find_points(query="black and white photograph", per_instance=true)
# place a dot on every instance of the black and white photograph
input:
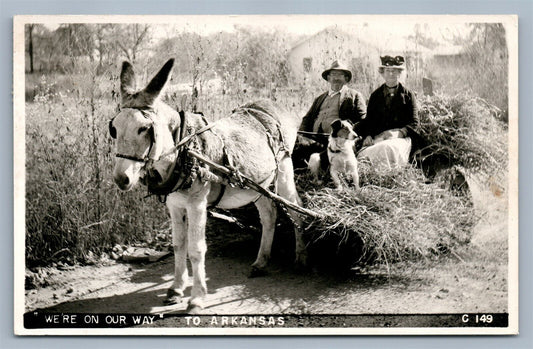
(266, 174)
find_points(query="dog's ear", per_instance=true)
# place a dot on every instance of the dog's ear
(335, 127)
(337, 124)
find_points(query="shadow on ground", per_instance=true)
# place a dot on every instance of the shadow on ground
(231, 252)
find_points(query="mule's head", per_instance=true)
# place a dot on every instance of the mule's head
(143, 129)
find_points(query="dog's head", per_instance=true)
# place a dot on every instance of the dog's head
(343, 129)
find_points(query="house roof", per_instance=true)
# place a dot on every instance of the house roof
(387, 45)
(332, 31)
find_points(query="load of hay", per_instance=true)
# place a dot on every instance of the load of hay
(394, 217)
(406, 216)
(462, 131)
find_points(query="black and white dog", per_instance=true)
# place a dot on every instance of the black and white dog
(341, 156)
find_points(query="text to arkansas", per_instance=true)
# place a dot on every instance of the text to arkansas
(238, 321)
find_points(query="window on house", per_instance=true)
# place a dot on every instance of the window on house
(308, 63)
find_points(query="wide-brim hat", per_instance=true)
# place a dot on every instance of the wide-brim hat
(340, 67)
(397, 62)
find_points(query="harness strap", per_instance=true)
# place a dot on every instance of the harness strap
(278, 127)
(182, 125)
(219, 196)
(187, 139)
(270, 138)
(321, 138)
(130, 157)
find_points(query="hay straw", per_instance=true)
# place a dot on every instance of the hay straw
(394, 217)
(463, 130)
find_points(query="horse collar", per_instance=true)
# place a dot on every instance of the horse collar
(184, 169)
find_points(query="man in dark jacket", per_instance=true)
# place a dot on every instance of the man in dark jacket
(339, 102)
(392, 120)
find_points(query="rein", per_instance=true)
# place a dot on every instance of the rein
(184, 167)
(184, 170)
(185, 140)
(321, 138)
(181, 141)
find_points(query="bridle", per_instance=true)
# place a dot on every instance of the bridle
(147, 112)
(182, 171)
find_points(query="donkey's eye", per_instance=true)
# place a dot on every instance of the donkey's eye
(112, 130)
(142, 129)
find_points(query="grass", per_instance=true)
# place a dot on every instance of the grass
(72, 206)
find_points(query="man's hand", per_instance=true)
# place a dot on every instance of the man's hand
(304, 141)
(368, 141)
(391, 134)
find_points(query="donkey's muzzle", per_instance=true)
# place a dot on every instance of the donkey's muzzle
(123, 182)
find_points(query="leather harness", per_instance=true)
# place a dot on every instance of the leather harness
(186, 169)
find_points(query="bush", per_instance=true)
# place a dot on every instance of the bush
(72, 206)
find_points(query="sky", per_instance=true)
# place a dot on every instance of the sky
(373, 26)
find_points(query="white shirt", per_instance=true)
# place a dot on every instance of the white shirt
(333, 93)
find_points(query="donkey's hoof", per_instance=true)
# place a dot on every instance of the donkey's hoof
(257, 272)
(300, 263)
(194, 307)
(173, 297)
(194, 310)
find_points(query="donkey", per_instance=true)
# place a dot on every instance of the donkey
(256, 140)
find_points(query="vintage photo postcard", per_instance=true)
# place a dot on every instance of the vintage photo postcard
(266, 175)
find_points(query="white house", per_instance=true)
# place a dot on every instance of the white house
(358, 48)
(312, 55)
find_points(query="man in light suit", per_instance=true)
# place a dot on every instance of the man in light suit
(339, 102)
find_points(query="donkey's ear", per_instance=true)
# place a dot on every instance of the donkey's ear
(158, 81)
(127, 79)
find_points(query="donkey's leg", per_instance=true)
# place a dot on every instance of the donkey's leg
(287, 189)
(179, 242)
(267, 214)
(197, 217)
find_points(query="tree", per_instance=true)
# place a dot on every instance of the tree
(38, 47)
(29, 29)
(255, 59)
(421, 38)
(75, 43)
(131, 39)
(103, 45)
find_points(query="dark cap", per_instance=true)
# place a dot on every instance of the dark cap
(392, 62)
